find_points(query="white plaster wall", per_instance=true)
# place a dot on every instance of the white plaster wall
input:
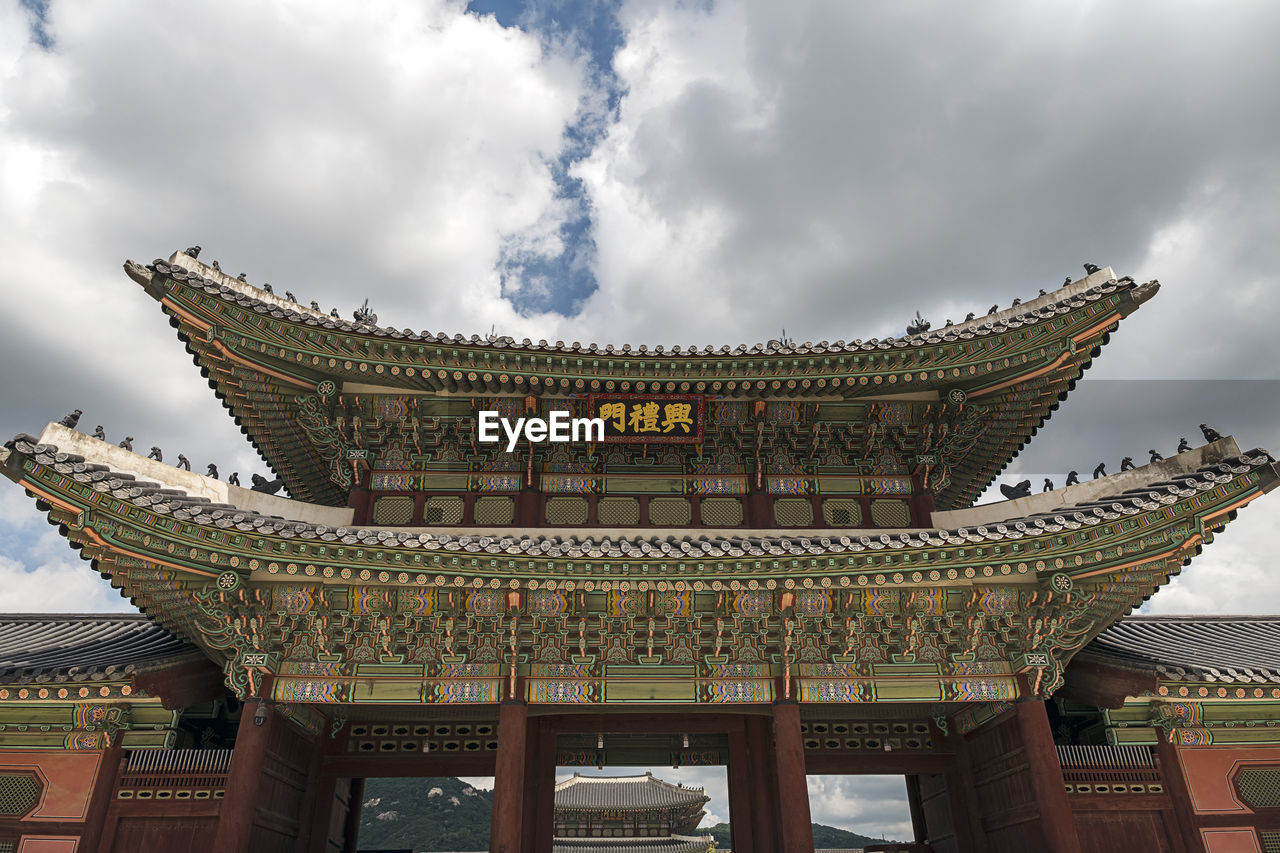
(118, 459)
(1089, 490)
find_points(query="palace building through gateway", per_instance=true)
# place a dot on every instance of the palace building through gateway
(771, 561)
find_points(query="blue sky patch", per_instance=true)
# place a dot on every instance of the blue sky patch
(38, 11)
(536, 282)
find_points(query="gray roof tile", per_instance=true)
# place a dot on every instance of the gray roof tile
(613, 792)
(1039, 309)
(675, 844)
(83, 647)
(1195, 648)
(566, 543)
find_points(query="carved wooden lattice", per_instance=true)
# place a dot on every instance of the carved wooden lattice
(443, 738)
(620, 512)
(18, 794)
(793, 512)
(890, 514)
(393, 510)
(571, 511)
(842, 512)
(442, 511)
(722, 512)
(1259, 787)
(495, 510)
(670, 512)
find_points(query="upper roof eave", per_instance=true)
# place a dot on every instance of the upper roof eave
(1022, 375)
(183, 268)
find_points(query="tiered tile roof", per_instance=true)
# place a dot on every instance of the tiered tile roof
(609, 793)
(48, 648)
(674, 844)
(265, 355)
(1237, 649)
(167, 500)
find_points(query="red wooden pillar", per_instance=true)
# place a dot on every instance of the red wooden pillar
(741, 780)
(759, 509)
(793, 786)
(509, 778)
(104, 791)
(540, 821)
(318, 816)
(919, 830)
(764, 787)
(966, 821)
(1184, 828)
(315, 800)
(528, 508)
(244, 781)
(351, 829)
(1046, 778)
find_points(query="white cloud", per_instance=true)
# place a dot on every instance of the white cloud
(49, 578)
(1236, 573)
(388, 151)
(875, 806)
(825, 167)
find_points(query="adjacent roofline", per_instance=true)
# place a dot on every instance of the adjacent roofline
(86, 647)
(640, 777)
(1192, 648)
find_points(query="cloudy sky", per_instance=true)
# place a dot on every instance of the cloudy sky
(645, 172)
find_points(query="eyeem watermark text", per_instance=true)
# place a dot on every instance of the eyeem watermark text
(558, 429)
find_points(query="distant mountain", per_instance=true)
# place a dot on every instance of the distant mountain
(424, 814)
(823, 836)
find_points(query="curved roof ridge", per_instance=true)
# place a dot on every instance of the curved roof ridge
(641, 777)
(643, 792)
(1093, 286)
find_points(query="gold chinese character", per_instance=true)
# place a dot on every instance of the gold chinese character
(644, 417)
(677, 415)
(616, 411)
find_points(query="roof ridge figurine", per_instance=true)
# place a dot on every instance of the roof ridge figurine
(1021, 490)
(918, 325)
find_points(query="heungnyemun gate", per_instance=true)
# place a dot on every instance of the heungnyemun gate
(772, 561)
